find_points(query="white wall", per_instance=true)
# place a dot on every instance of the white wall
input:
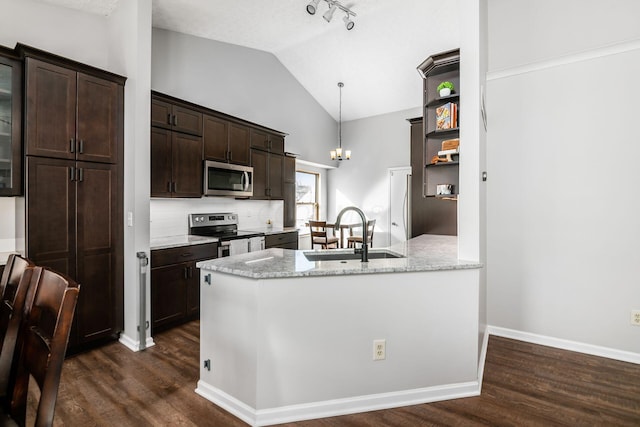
(246, 83)
(562, 156)
(377, 144)
(7, 224)
(66, 32)
(130, 36)
(472, 225)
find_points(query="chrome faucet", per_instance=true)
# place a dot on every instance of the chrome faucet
(365, 249)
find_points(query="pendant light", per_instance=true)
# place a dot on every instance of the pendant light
(337, 154)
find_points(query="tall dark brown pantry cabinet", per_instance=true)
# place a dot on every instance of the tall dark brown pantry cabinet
(74, 140)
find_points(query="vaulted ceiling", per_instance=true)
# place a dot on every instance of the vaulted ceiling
(376, 60)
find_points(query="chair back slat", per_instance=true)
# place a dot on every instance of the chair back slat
(13, 291)
(42, 344)
(320, 234)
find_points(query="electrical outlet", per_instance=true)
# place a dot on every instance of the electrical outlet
(635, 317)
(379, 349)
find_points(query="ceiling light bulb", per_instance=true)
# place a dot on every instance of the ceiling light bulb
(348, 22)
(347, 154)
(329, 13)
(312, 6)
(333, 154)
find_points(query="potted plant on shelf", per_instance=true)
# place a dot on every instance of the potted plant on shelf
(445, 88)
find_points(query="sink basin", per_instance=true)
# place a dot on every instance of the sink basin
(332, 255)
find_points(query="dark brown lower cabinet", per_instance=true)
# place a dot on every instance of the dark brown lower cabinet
(284, 240)
(74, 225)
(175, 284)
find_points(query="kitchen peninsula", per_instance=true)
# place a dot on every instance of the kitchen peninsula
(283, 338)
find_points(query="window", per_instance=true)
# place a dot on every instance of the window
(307, 205)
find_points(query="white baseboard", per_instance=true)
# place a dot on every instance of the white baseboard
(335, 407)
(594, 350)
(134, 345)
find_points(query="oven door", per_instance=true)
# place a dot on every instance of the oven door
(224, 179)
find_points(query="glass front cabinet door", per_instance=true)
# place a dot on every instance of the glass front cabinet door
(10, 126)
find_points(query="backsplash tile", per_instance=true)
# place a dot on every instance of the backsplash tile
(169, 216)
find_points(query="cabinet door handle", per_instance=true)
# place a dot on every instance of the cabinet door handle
(175, 120)
(169, 118)
(230, 154)
(186, 272)
(72, 145)
(190, 272)
(81, 174)
(72, 173)
(81, 149)
(169, 186)
(175, 187)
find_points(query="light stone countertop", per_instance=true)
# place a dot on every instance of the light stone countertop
(422, 253)
(182, 240)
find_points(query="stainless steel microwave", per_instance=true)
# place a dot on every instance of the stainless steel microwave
(225, 179)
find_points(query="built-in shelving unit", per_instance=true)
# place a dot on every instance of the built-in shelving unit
(435, 70)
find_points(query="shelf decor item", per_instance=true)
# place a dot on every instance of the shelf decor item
(447, 116)
(445, 89)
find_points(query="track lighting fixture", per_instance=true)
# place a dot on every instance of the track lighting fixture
(329, 13)
(312, 7)
(348, 22)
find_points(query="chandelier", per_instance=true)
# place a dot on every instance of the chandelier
(337, 153)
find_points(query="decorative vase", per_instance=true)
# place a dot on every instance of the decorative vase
(445, 92)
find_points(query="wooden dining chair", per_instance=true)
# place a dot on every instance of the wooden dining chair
(353, 238)
(42, 343)
(320, 235)
(13, 290)
(13, 270)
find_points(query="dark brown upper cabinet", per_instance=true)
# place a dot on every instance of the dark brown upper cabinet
(267, 141)
(268, 171)
(178, 118)
(10, 125)
(176, 164)
(225, 141)
(72, 115)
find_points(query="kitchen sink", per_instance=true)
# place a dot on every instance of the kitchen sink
(333, 255)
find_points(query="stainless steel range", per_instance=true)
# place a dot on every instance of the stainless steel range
(224, 226)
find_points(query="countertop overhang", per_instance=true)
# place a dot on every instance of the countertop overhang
(422, 253)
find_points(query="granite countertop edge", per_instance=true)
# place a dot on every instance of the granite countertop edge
(421, 254)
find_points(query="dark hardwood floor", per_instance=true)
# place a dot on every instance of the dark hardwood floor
(524, 385)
